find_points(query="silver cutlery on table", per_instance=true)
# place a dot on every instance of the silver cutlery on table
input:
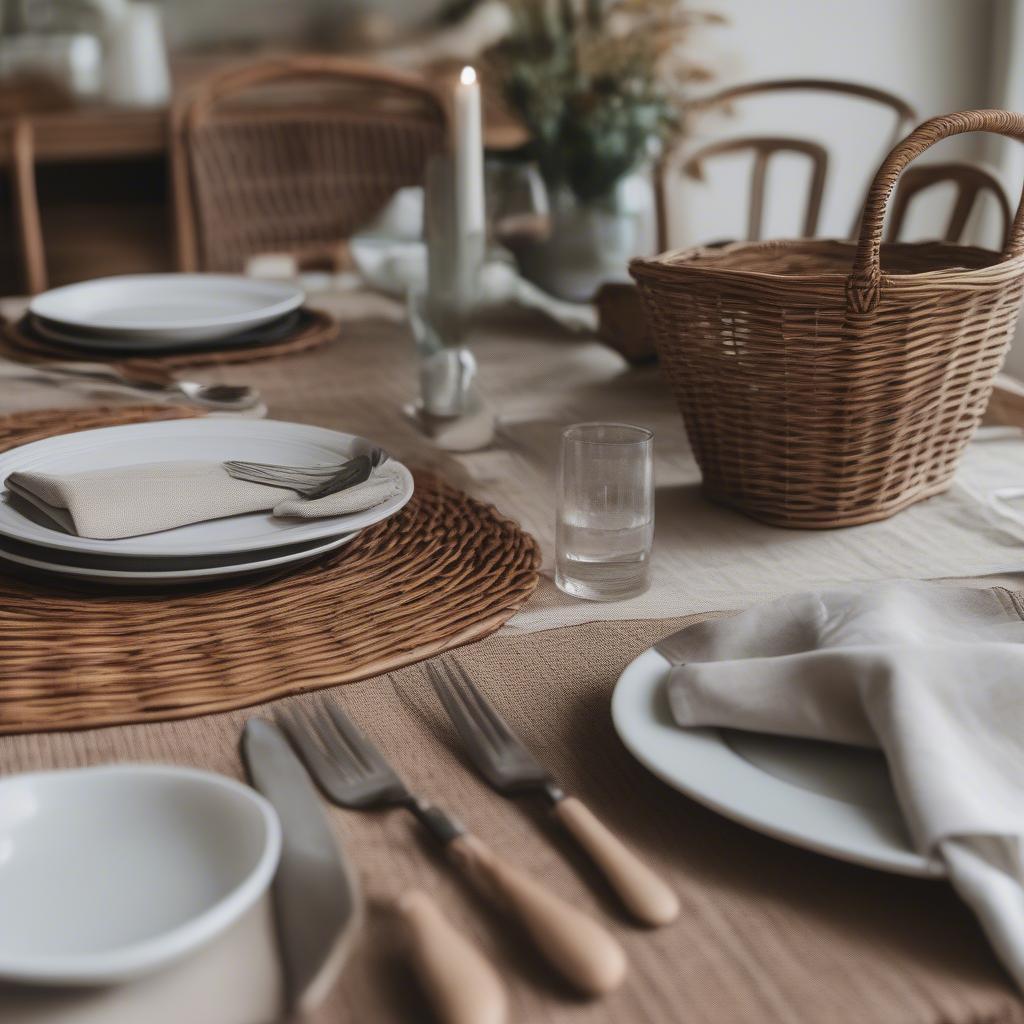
(353, 773)
(511, 769)
(318, 905)
(310, 481)
(151, 381)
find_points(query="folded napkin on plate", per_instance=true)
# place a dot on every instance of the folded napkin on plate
(127, 501)
(932, 675)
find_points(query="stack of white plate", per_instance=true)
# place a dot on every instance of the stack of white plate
(218, 549)
(148, 313)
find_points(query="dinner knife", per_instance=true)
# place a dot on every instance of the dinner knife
(318, 905)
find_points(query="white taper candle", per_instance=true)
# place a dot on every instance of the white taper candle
(469, 156)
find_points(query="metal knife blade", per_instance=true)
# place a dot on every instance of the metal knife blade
(318, 905)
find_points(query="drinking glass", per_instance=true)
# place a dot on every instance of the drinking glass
(605, 511)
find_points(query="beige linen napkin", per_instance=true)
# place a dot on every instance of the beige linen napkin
(932, 675)
(127, 501)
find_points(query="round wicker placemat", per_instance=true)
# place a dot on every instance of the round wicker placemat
(313, 328)
(444, 571)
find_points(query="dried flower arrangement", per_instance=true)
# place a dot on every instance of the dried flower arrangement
(598, 85)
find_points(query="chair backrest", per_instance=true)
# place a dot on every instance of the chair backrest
(970, 181)
(904, 117)
(26, 204)
(764, 148)
(904, 113)
(294, 154)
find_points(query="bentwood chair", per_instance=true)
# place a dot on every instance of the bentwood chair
(31, 254)
(293, 155)
(765, 148)
(970, 182)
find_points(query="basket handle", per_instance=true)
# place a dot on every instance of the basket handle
(864, 282)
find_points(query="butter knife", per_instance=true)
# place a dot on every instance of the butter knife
(318, 905)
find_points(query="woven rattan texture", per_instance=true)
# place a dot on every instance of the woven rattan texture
(292, 155)
(249, 200)
(313, 329)
(825, 384)
(445, 571)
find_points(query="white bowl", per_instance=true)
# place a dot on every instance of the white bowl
(109, 872)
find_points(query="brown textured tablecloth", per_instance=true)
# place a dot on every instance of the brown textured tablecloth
(767, 933)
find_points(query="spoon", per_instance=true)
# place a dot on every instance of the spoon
(225, 397)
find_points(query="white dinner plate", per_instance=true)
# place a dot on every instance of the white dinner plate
(179, 307)
(127, 345)
(112, 871)
(208, 438)
(126, 570)
(829, 798)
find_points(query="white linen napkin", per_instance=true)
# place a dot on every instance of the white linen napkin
(931, 675)
(127, 501)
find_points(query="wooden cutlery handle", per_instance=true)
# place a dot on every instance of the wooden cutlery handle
(462, 985)
(583, 952)
(645, 895)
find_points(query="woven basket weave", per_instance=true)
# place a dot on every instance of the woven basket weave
(293, 154)
(828, 384)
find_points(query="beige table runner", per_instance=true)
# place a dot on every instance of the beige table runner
(705, 557)
(768, 932)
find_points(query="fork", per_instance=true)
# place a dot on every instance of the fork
(310, 481)
(353, 773)
(511, 769)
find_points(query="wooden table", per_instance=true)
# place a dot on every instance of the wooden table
(768, 932)
(92, 134)
(102, 181)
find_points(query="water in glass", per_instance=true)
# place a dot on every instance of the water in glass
(605, 511)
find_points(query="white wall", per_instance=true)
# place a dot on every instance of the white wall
(933, 53)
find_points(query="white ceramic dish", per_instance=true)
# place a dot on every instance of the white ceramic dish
(208, 438)
(153, 572)
(828, 798)
(109, 872)
(178, 307)
(130, 344)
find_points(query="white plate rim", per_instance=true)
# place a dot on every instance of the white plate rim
(309, 529)
(282, 297)
(719, 778)
(158, 344)
(175, 575)
(137, 958)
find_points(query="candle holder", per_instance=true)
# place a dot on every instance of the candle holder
(450, 409)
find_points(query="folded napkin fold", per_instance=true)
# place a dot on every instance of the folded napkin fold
(931, 675)
(127, 501)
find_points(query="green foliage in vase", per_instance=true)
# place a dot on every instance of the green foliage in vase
(597, 84)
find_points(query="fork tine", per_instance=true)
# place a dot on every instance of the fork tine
(484, 708)
(298, 728)
(323, 468)
(357, 741)
(499, 754)
(464, 718)
(348, 761)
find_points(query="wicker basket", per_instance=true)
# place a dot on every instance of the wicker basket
(829, 384)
